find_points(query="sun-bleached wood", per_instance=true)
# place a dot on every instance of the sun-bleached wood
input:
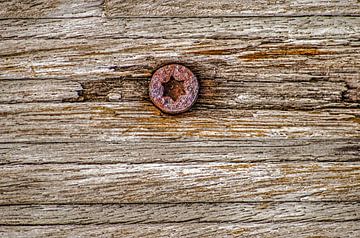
(168, 151)
(267, 230)
(250, 28)
(236, 59)
(185, 182)
(182, 8)
(271, 149)
(176, 213)
(141, 121)
(214, 93)
(18, 91)
(50, 8)
(205, 8)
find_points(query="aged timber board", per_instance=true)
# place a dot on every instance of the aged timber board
(271, 148)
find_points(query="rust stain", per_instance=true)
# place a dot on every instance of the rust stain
(274, 53)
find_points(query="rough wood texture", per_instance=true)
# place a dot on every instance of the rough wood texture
(198, 150)
(251, 28)
(271, 149)
(18, 91)
(49, 8)
(141, 121)
(177, 213)
(218, 230)
(205, 8)
(185, 182)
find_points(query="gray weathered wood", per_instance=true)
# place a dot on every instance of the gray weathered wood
(266, 230)
(214, 93)
(16, 91)
(140, 121)
(50, 8)
(236, 59)
(309, 66)
(271, 149)
(201, 8)
(250, 28)
(178, 213)
(199, 150)
(185, 182)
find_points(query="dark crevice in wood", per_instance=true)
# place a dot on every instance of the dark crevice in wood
(244, 202)
(184, 222)
(185, 17)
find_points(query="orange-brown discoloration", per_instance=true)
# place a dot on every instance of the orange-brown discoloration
(275, 53)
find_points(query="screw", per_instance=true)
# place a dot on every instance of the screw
(173, 88)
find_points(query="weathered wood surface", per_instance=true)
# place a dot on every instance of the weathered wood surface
(185, 182)
(218, 230)
(176, 213)
(205, 8)
(271, 149)
(50, 8)
(251, 28)
(140, 122)
(205, 150)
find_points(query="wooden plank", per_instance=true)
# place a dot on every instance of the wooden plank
(141, 121)
(218, 93)
(221, 69)
(240, 150)
(281, 230)
(185, 182)
(50, 8)
(204, 8)
(16, 91)
(240, 60)
(251, 28)
(178, 213)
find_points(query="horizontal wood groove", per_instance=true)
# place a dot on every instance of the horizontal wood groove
(184, 17)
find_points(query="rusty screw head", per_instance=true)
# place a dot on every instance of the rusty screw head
(173, 88)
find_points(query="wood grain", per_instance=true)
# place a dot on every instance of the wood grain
(17, 91)
(166, 151)
(344, 28)
(228, 59)
(203, 8)
(267, 230)
(49, 8)
(214, 93)
(178, 213)
(326, 76)
(185, 182)
(271, 149)
(313, 65)
(136, 121)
